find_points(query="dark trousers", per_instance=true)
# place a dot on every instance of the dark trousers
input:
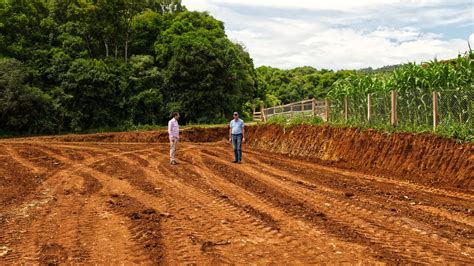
(237, 143)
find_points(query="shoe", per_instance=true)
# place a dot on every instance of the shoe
(173, 162)
(239, 162)
(234, 162)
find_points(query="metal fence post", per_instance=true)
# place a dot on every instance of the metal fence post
(435, 110)
(394, 109)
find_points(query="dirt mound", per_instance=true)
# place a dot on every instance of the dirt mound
(196, 134)
(422, 158)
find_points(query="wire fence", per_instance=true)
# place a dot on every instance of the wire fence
(418, 111)
(456, 108)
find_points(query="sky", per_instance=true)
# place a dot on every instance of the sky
(344, 34)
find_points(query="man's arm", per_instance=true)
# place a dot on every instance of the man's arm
(243, 134)
(230, 134)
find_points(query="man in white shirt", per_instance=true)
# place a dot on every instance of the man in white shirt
(237, 136)
(173, 132)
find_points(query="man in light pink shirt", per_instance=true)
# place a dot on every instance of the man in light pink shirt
(173, 132)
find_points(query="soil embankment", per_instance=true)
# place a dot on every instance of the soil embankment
(423, 158)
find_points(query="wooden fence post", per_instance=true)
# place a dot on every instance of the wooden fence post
(291, 110)
(346, 109)
(302, 108)
(313, 107)
(262, 113)
(394, 109)
(369, 107)
(435, 110)
(327, 110)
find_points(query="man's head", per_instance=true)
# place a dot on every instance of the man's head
(236, 115)
(176, 115)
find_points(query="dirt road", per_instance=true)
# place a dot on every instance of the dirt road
(109, 203)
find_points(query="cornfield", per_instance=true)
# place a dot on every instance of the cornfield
(451, 80)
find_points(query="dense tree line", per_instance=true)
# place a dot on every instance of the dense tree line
(73, 65)
(279, 86)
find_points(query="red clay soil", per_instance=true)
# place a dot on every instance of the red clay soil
(196, 134)
(421, 158)
(306, 195)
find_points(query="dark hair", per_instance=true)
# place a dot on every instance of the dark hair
(174, 114)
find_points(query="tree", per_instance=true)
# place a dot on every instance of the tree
(22, 107)
(205, 75)
(94, 88)
(146, 97)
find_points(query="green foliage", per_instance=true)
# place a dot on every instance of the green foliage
(297, 119)
(111, 64)
(277, 86)
(208, 75)
(22, 107)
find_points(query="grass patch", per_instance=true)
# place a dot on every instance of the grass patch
(458, 132)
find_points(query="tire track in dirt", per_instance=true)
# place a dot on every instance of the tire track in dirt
(151, 201)
(50, 238)
(418, 206)
(302, 235)
(145, 224)
(48, 252)
(363, 220)
(302, 164)
(408, 223)
(368, 195)
(126, 204)
(198, 216)
(19, 158)
(138, 225)
(198, 234)
(455, 226)
(266, 232)
(366, 179)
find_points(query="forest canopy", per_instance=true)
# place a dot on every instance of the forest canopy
(79, 65)
(74, 65)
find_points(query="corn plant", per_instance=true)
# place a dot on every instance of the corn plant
(452, 80)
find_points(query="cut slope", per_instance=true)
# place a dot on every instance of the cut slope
(422, 158)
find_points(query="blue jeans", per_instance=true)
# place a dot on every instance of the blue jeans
(237, 143)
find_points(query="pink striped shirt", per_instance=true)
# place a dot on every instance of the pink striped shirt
(173, 128)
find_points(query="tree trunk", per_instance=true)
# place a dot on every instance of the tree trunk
(89, 47)
(126, 50)
(127, 36)
(106, 48)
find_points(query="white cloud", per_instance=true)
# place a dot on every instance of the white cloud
(322, 41)
(471, 40)
(342, 5)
